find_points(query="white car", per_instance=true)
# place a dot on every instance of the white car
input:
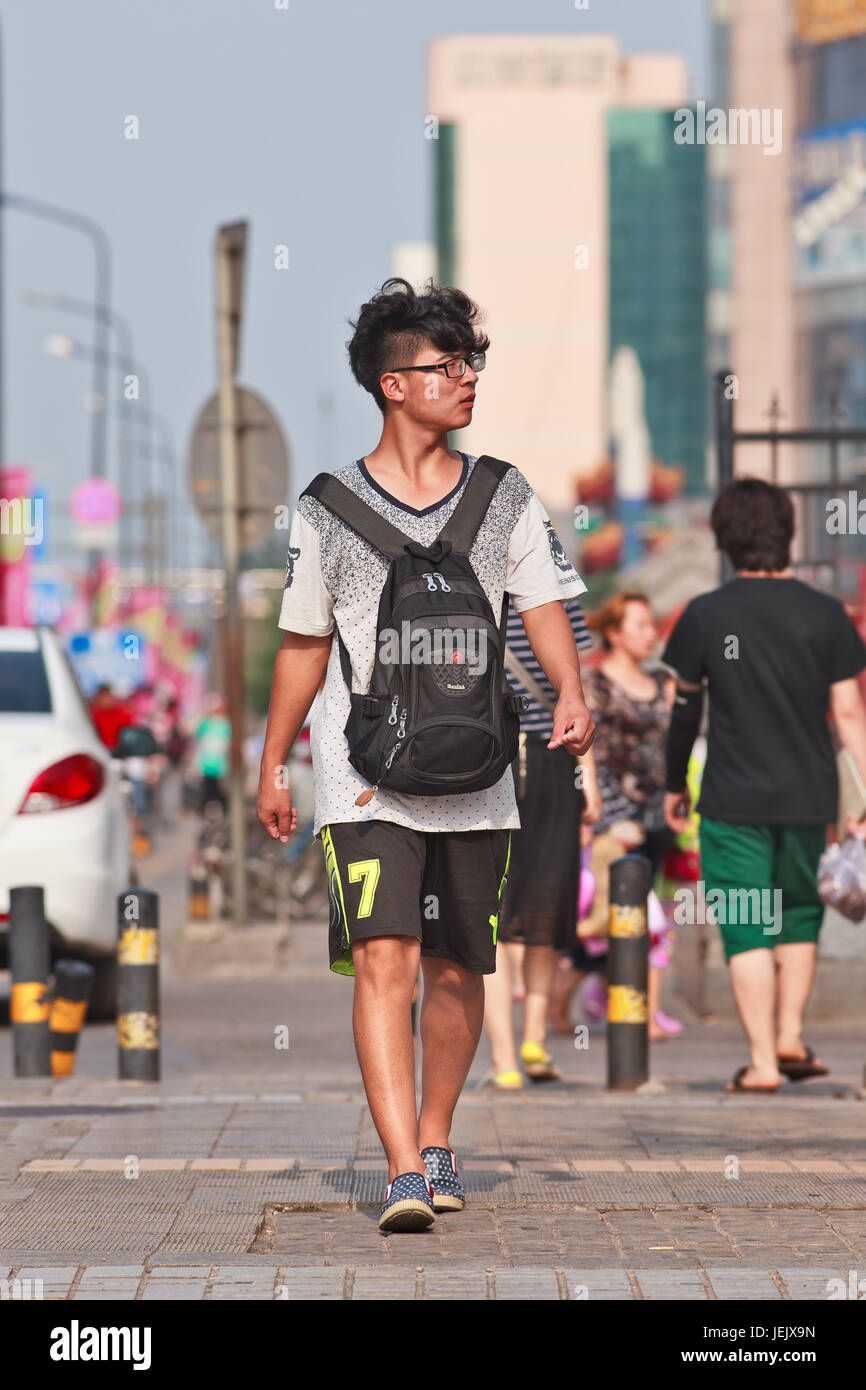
(64, 821)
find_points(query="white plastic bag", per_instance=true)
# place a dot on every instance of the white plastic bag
(842, 878)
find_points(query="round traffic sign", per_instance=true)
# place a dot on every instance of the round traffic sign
(263, 475)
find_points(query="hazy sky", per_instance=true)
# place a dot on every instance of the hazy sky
(309, 123)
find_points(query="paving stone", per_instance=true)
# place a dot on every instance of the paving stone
(167, 1290)
(526, 1283)
(311, 1282)
(455, 1283)
(603, 1283)
(737, 1283)
(51, 1274)
(88, 1284)
(670, 1284)
(126, 1294)
(810, 1282)
(224, 1293)
(381, 1283)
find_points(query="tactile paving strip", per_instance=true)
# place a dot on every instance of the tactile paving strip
(177, 1212)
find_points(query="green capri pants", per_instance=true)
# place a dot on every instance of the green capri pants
(762, 882)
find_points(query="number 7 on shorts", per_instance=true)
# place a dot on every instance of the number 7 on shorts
(368, 870)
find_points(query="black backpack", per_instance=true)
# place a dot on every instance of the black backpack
(448, 721)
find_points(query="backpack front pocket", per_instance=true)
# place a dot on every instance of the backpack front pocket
(443, 752)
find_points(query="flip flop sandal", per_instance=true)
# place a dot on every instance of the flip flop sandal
(735, 1084)
(537, 1063)
(801, 1068)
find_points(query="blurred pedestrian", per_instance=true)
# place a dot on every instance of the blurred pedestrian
(777, 657)
(110, 715)
(539, 906)
(212, 744)
(631, 709)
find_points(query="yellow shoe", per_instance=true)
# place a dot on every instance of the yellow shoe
(538, 1063)
(503, 1081)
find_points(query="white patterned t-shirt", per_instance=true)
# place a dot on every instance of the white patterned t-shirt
(335, 577)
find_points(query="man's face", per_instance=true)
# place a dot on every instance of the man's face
(432, 397)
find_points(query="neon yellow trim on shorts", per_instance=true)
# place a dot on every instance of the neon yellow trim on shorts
(494, 919)
(343, 966)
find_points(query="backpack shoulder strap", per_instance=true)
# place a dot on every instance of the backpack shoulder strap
(528, 681)
(462, 526)
(356, 513)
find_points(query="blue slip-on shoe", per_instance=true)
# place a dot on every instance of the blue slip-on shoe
(441, 1165)
(408, 1204)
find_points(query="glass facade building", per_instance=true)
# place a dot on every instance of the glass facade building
(830, 270)
(657, 248)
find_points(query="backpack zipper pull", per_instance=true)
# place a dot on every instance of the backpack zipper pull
(392, 717)
(366, 796)
(390, 758)
(401, 731)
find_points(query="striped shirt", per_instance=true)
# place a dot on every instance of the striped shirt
(536, 720)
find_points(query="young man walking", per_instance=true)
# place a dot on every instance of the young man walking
(778, 657)
(411, 875)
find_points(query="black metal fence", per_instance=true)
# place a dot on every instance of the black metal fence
(836, 470)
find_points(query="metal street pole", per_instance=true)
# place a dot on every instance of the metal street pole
(2, 267)
(126, 471)
(725, 385)
(230, 255)
(131, 367)
(51, 212)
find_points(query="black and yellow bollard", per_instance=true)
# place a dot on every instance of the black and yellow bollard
(29, 961)
(199, 890)
(628, 974)
(73, 985)
(138, 985)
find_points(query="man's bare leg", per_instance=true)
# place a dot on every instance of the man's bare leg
(796, 962)
(385, 971)
(753, 978)
(452, 1013)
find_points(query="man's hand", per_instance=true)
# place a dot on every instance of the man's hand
(855, 827)
(673, 800)
(274, 806)
(572, 724)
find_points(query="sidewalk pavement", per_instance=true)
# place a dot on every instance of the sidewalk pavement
(253, 1170)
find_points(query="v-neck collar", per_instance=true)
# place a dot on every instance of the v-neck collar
(404, 506)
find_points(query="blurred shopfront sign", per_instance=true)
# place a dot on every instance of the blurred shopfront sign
(829, 168)
(20, 531)
(825, 21)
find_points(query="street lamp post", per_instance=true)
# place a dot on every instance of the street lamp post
(63, 346)
(101, 300)
(70, 304)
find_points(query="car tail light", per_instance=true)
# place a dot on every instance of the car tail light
(70, 782)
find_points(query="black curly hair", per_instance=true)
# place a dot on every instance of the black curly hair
(753, 523)
(392, 326)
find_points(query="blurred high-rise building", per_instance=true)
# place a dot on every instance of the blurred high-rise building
(750, 303)
(786, 304)
(829, 56)
(565, 207)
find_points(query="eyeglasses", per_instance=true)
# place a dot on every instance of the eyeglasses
(454, 367)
